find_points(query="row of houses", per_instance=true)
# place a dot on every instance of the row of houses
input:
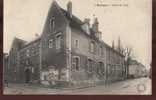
(136, 69)
(69, 51)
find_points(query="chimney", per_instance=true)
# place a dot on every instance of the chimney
(69, 8)
(87, 21)
(95, 25)
(95, 28)
(86, 26)
(119, 44)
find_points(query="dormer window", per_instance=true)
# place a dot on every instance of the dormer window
(86, 26)
(92, 47)
(52, 23)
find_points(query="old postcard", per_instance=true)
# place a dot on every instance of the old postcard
(77, 47)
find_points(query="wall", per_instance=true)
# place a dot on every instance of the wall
(30, 60)
(52, 57)
(113, 62)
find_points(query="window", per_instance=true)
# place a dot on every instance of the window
(45, 43)
(76, 43)
(27, 62)
(76, 63)
(58, 41)
(100, 68)
(28, 53)
(92, 47)
(51, 43)
(45, 77)
(52, 23)
(90, 65)
(32, 69)
(108, 69)
(100, 50)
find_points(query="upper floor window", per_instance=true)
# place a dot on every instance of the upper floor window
(27, 62)
(92, 47)
(58, 41)
(52, 23)
(76, 43)
(51, 43)
(28, 53)
(76, 63)
(100, 50)
(32, 69)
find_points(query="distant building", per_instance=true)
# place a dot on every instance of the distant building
(136, 69)
(69, 51)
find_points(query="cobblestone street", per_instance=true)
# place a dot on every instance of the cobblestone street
(140, 86)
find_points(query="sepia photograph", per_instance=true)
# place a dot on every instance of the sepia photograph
(77, 47)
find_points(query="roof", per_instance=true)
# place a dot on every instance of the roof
(135, 62)
(22, 43)
(31, 42)
(77, 23)
(18, 42)
(73, 21)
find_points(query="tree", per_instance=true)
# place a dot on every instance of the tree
(127, 52)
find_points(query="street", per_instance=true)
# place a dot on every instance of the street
(140, 86)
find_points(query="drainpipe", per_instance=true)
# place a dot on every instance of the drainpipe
(40, 60)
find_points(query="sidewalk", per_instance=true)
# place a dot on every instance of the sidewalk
(120, 87)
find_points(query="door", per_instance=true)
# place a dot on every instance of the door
(27, 75)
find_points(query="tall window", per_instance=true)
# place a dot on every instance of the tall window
(100, 50)
(100, 68)
(90, 65)
(27, 52)
(51, 43)
(76, 63)
(58, 41)
(32, 69)
(52, 23)
(92, 47)
(76, 43)
(27, 62)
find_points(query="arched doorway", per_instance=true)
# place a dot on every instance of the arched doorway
(27, 75)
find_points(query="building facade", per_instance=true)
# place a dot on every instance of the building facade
(136, 69)
(68, 51)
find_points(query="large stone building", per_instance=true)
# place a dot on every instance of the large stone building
(69, 51)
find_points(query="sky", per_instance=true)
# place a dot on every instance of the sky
(131, 21)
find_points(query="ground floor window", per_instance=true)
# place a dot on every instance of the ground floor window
(90, 65)
(108, 70)
(100, 68)
(76, 63)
